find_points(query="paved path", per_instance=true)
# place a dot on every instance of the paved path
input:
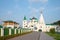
(33, 36)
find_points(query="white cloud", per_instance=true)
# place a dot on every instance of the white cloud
(29, 7)
(17, 7)
(34, 0)
(16, 0)
(16, 4)
(1, 21)
(54, 9)
(9, 12)
(41, 9)
(33, 10)
(57, 8)
(42, 1)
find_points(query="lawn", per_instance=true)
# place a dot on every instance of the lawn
(55, 35)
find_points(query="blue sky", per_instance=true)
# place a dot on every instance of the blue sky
(16, 10)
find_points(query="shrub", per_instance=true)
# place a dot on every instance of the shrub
(52, 30)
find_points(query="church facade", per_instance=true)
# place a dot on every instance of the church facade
(37, 25)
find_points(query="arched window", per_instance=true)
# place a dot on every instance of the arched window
(31, 25)
(35, 28)
(25, 26)
(40, 30)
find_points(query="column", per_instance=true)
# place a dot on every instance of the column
(9, 31)
(2, 32)
(18, 31)
(15, 31)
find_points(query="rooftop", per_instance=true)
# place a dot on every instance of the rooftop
(11, 21)
(24, 17)
(33, 18)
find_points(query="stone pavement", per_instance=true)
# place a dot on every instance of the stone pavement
(33, 36)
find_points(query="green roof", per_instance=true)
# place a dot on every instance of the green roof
(1, 26)
(24, 17)
(30, 19)
(33, 18)
(36, 19)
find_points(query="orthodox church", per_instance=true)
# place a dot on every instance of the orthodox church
(37, 25)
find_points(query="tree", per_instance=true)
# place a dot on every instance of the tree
(57, 22)
(52, 30)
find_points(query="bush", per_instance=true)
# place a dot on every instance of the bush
(52, 30)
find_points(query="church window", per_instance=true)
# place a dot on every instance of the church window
(35, 28)
(25, 26)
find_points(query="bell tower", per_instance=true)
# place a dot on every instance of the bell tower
(42, 25)
(24, 22)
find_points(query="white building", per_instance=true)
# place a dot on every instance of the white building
(37, 25)
(57, 29)
(25, 22)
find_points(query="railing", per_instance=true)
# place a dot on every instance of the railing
(12, 31)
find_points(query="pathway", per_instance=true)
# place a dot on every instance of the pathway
(33, 36)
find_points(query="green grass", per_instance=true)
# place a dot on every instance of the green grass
(55, 35)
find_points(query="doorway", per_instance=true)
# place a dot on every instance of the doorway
(40, 30)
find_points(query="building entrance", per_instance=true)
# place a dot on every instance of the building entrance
(40, 30)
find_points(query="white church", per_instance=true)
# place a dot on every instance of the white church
(37, 25)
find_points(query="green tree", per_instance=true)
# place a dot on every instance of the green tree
(57, 22)
(52, 30)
